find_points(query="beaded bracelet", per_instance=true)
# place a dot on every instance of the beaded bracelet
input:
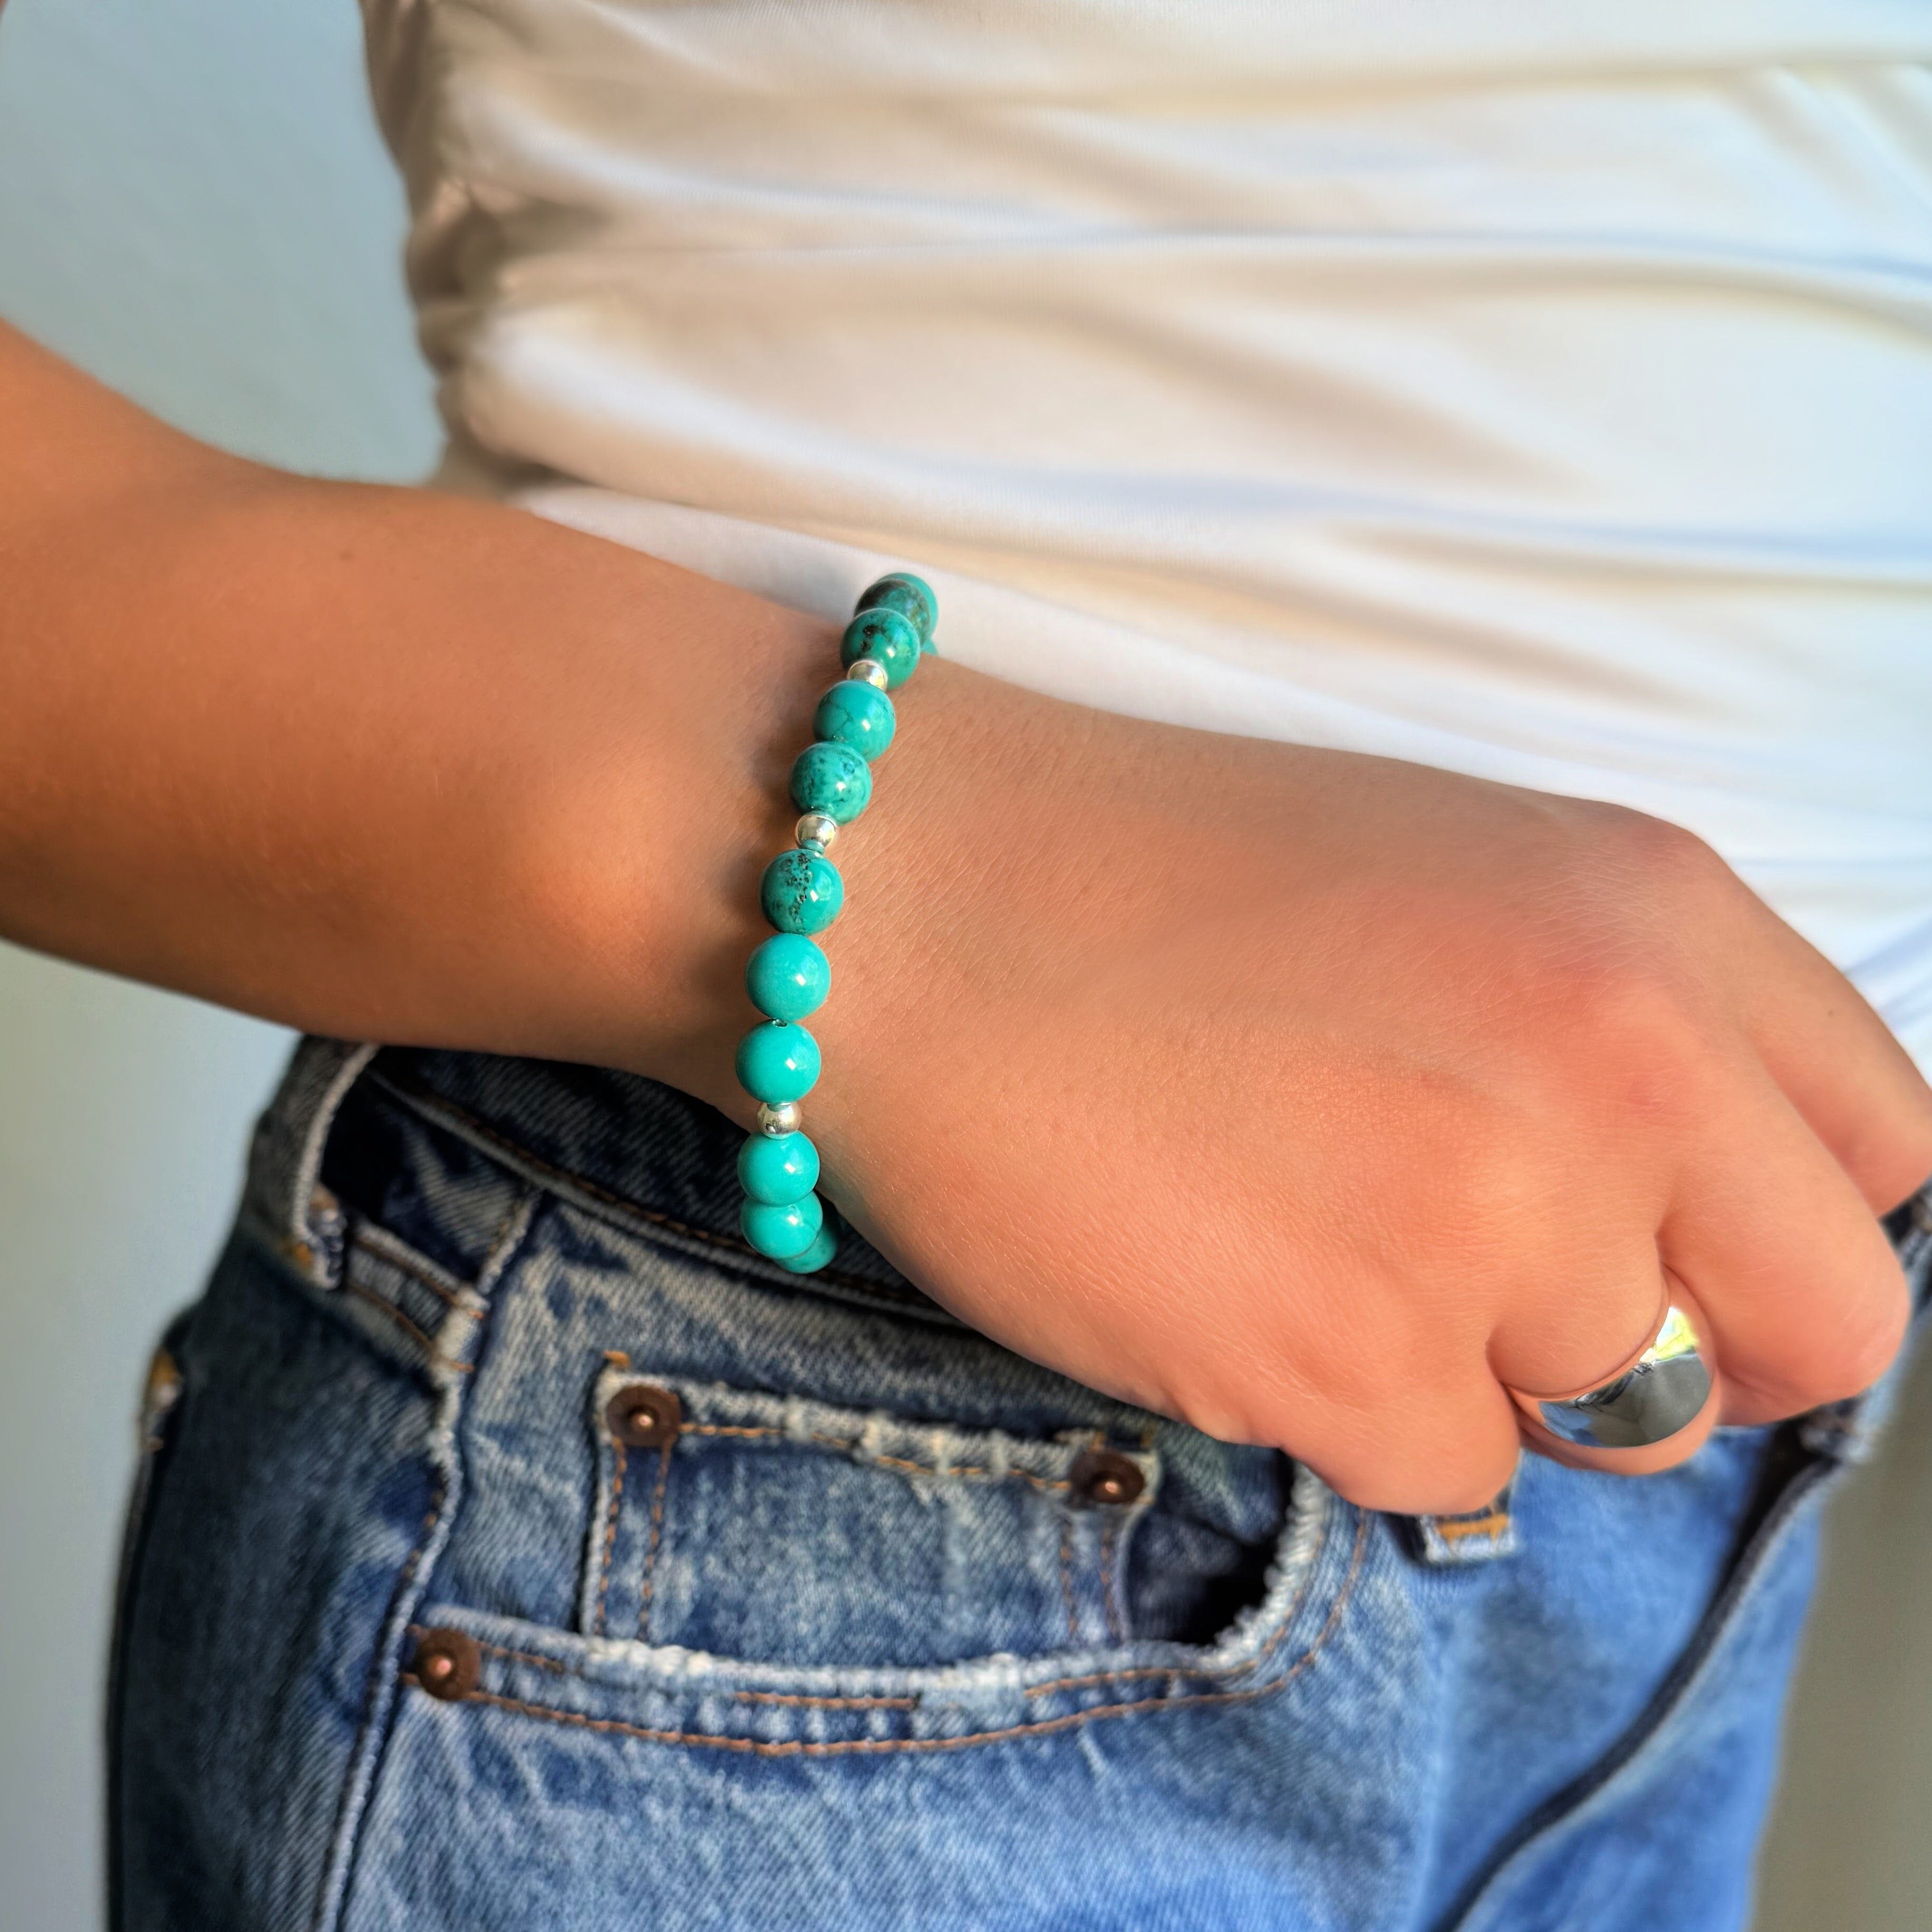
(789, 977)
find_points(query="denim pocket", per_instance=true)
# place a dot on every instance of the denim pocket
(697, 1505)
(772, 1528)
(865, 1527)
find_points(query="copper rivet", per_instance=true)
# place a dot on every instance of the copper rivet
(447, 1663)
(1106, 1478)
(644, 1416)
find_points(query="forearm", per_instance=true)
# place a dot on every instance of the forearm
(375, 761)
(1321, 1100)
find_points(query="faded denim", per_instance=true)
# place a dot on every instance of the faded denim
(856, 1647)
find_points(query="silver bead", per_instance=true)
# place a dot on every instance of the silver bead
(782, 1119)
(868, 670)
(816, 828)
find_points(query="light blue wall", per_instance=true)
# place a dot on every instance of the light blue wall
(193, 206)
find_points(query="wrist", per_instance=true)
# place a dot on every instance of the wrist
(638, 847)
(697, 892)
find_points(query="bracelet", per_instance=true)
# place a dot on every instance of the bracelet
(789, 977)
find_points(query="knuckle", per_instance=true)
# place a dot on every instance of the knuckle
(1846, 1355)
(1599, 974)
(1624, 1006)
(1894, 1159)
(1868, 1341)
(1625, 926)
(1662, 857)
(1625, 1036)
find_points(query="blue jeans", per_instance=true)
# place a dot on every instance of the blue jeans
(514, 1549)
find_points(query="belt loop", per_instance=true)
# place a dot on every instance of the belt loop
(1477, 1536)
(285, 1159)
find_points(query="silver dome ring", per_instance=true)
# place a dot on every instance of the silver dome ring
(1663, 1391)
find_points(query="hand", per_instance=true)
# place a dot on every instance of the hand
(1310, 1098)
(1313, 1098)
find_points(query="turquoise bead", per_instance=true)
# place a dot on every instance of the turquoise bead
(911, 596)
(802, 891)
(883, 634)
(824, 1246)
(778, 1168)
(784, 1230)
(858, 714)
(833, 778)
(787, 977)
(778, 1062)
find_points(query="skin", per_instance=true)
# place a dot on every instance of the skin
(1316, 1100)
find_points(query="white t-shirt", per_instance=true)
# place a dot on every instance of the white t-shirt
(1537, 389)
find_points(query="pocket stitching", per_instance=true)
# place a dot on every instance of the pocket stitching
(1109, 1590)
(880, 1747)
(845, 1444)
(424, 1341)
(379, 1242)
(1066, 1579)
(1317, 1513)
(610, 1515)
(645, 1588)
(852, 1443)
